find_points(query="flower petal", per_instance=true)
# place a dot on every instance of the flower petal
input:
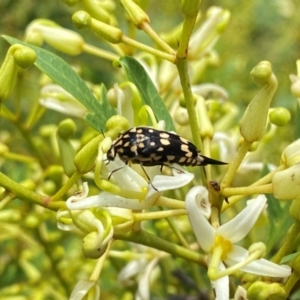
(261, 266)
(203, 230)
(180, 178)
(237, 228)
(125, 176)
(240, 293)
(221, 286)
(105, 199)
(143, 292)
(82, 287)
(132, 269)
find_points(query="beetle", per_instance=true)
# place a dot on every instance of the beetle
(151, 147)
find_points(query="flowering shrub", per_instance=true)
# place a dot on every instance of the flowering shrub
(80, 224)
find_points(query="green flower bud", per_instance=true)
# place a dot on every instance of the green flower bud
(66, 129)
(101, 10)
(10, 215)
(29, 184)
(279, 116)
(286, 183)
(181, 117)
(92, 245)
(25, 57)
(85, 158)
(3, 149)
(259, 247)
(136, 14)
(17, 55)
(262, 291)
(112, 34)
(205, 126)
(32, 221)
(295, 210)
(255, 117)
(48, 187)
(118, 123)
(190, 8)
(291, 154)
(66, 149)
(81, 20)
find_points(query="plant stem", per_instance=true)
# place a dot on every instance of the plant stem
(153, 241)
(23, 193)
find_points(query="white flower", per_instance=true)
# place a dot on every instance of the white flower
(134, 192)
(122, 99)
(220, 242)
(56, 98)
(141, 269)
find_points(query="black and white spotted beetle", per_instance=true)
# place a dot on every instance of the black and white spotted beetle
(150, 147)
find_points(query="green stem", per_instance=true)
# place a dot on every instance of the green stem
(177, 232)
(287, 246)
(262, 181)
(27, 136)
(248, 190)
(156, 38)
(25, 194)
(143, 47)
(65, 188)
(226, 182)
(153, 241)
(182, 67)
(291, 282)
(90, 49)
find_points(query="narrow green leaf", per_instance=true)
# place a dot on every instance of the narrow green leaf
(136, 74)
(105, 109)
(61, 73)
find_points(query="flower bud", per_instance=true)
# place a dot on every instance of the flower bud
(262, 291)
(66, 129)
(259, 247)
(295, 87)
(82, 19)
(136, 14)
(291, 154)
(254, 120)
(25, 57)
(190, 8)
(17, 55)
(85, 158)
(295, 210)
(66, 149)
(92, 245)
(286, 183)
(101, 10)
(279, 116)
(205, 126)
(64, 40)
(208, 33)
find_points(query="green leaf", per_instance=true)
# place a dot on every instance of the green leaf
(288, 258)
(61, 73)
(136, 74)
(105, 109)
